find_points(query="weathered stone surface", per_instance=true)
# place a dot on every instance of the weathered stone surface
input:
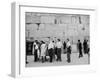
(47, 19)
(61, 26)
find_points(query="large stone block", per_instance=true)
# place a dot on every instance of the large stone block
(32, 19)
(47, 19)
(65, 20)
(85, 19)
(31, 27)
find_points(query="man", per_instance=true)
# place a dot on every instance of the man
(64, 47)
(35, 50)
(88, 47)
(26, 51)
(85, 47)
(54, 52)
(50, 50)
(68, 51)
(80, 49)
(59, 47)
(43, 50)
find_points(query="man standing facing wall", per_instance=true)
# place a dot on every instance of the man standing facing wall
(59, 46)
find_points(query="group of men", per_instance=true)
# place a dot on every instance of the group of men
(52, 50)
(85, 48)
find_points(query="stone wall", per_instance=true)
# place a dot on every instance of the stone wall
(63, 26)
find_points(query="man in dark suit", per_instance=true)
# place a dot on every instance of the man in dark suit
(64, 47)
(85, 47)
(26, 51)
(80, 49)
(68, 51)
(59, 49)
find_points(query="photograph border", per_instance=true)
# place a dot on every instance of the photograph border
(16, 61)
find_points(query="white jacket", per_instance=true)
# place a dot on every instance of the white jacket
(43, 49)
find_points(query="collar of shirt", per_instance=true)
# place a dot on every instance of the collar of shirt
(50, 45)
(59, 45)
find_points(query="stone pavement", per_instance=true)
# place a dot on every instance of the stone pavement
(74, 61)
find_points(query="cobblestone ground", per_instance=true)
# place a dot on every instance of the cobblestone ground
(75, 60)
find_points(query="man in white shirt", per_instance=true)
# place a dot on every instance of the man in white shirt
(35, 50)
(51, 45)
(59, 46)
(50, 50)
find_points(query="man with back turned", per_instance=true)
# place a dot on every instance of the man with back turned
(80, 49)
(59, 48)
(68, 51)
